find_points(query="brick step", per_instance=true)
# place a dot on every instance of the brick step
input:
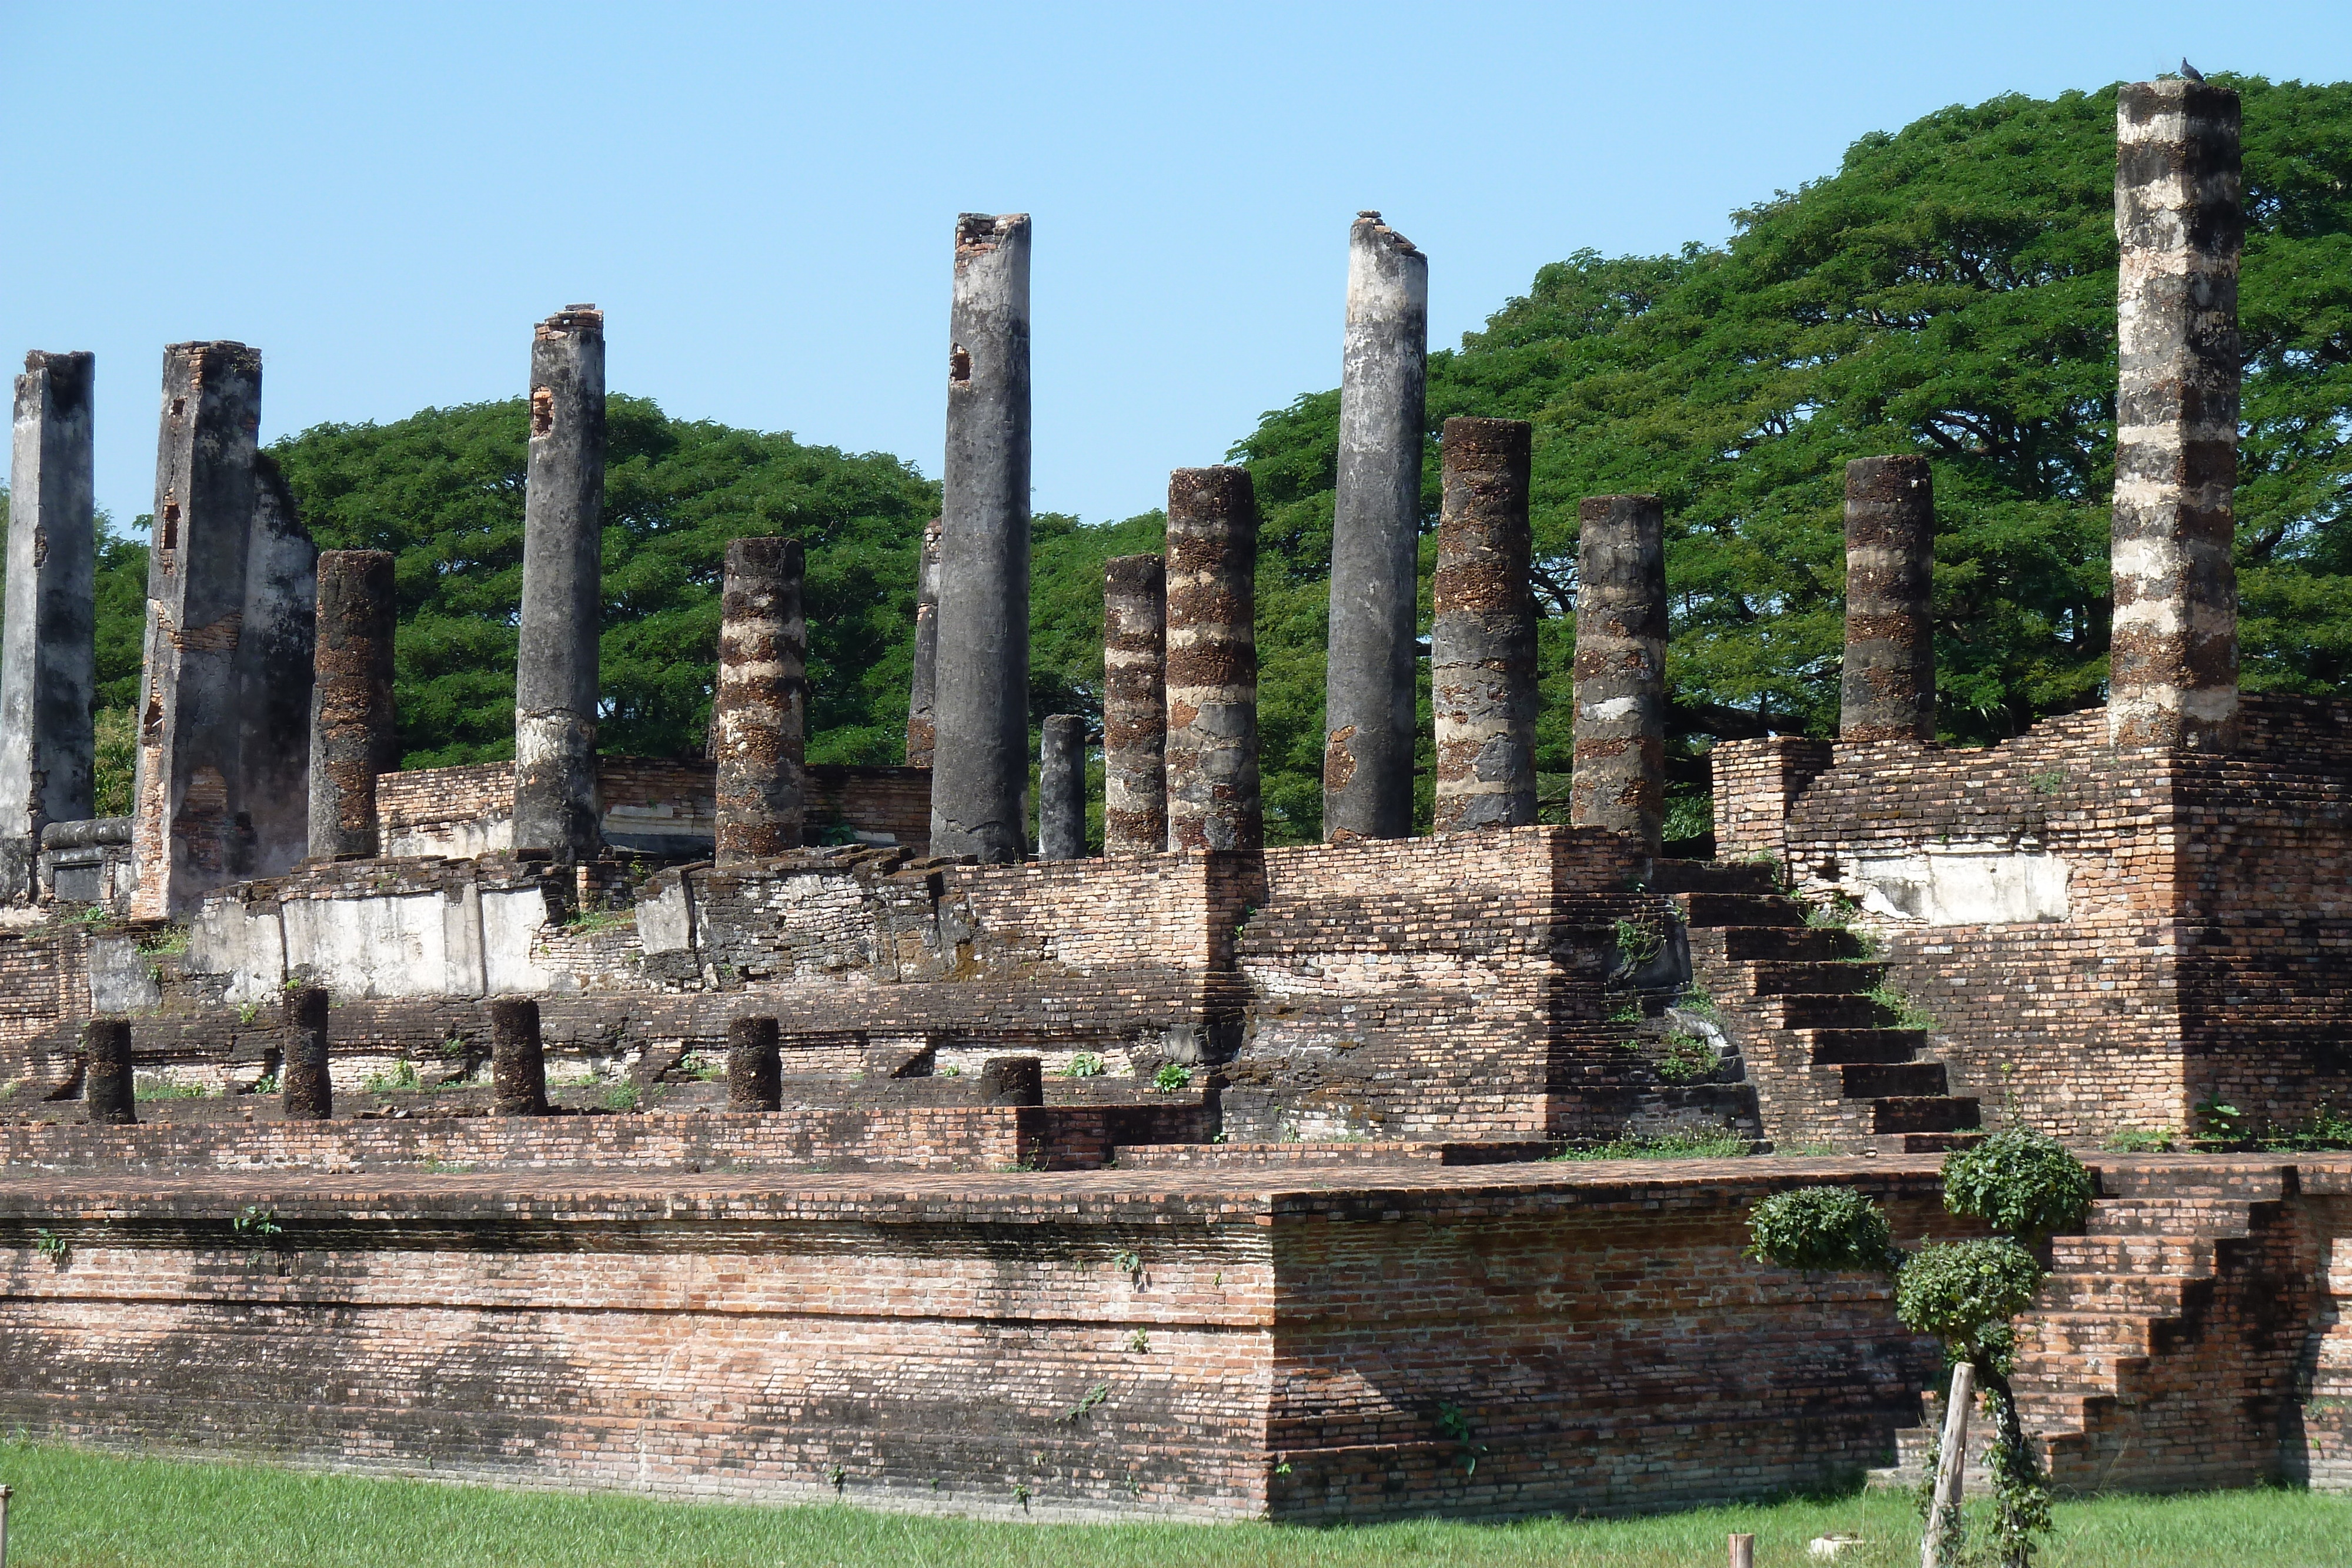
(1849, 1047)
(1924, 1142)
(1924, 1113)
(2218, 1218)
(1709, 911)
(2161, 1177)
(1898, 1080)
(1848, 978)
(2059, 1376)
(1821, 1012)
(1789, 944)
(1704, 877)
(2099, 1335)
(2148, 1252)
(2157, 1295)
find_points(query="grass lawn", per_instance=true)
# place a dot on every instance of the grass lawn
(75, 1509)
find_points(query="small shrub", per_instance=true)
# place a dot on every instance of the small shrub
(402, 1078)
(1908, 1014)
(1637, 942)
(266, 1084)
(2021, 1182)
(951, 1071)
(622, 1096)
(1699, 1002)
(1085, 1064)
(2142, 1140)
(1689, 1059)
(1627, 1011)
(52, 1246)
(167, 1089)
(1682, 1143)
(168, 942)
(1171, 1077)
(2223, 1123)
(1956, 1290)
(249, 1013)
(2326, 1130)
(1829, 1228)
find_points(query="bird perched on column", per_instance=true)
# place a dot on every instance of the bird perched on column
(2188, 71)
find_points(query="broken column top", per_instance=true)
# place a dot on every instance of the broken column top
(70, 376)
(977, 233)
(1368, 224)
(572, 320)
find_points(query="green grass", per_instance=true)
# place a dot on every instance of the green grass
(1680, 1145)
(76, 1509)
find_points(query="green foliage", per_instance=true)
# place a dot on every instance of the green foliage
(1171, 1077)
(2142, 1140)
(53, 1247)
(1682, 1143)
(1084, 1064)
(1957, 1290)
(167, 1089)
(401, 1078)
(2021, 1182)
(620, 1096)
(1901, 1010)
(1689, 1059)
(1829, 1229)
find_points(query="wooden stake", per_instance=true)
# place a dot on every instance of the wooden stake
(1951, 1460)
(1743, 1551)
(4, 1494)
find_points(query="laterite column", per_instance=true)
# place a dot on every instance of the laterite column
(308, 1089)
(2173, 666)
(518, 1059)
(981, 766)
(758, 716)
(555, 805)
(755, 1068)
(1062, 789)
(108, 1096)
(1889, 689)
(1212, 770)
(1370, 726)
(922, 695)
(353, 738)
(48, 648)
(1483, 643)
(1619, 780)
(1135, 706)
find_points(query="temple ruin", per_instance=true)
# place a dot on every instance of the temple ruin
(759, 1128)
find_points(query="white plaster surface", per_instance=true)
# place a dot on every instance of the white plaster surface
(1963, 883)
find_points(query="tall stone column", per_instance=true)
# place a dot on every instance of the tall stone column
(1619, 779)
(306, 1087)
(108, 1093)
(185, 836)
(980, 768)
(353, 738)
(1062, 789)
(1370, 728)
(518, 1058)
(755, 1066)
(1482, 646)
(1889, 687)
(49, 650)
(1135, 706)
(1213, 771)
(555, 804)
(758, 715)
(922, 696)
(2181, 226)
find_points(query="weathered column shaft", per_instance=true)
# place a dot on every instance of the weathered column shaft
(1013, 1080)
(1213, 767)
(518, 1058)
(758, 715)
(353, 738)
(922, 695)
(1062, 789)
(555, 803)
(108, 1096)
(1135, 706)
(1619, 779)
(981, 766)
(755, 1069)
(2181, 226)
(1482, 645)
(185, 835)
(306, 1087)
(1889, 687)
(48, 648)
(1369, 728)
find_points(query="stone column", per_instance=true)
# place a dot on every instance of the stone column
(555, 803)
(755, 1068)
(1370, 723)
(185, 836)
(48, 648)
(1213, 774)
(980, 768)
(922, 696)
(759, 713)
(1482, 645)
(1889, 689)
(307, 1089)
(108, 1096)
(353, 738)
(1062, 790)
(518, 1059)
(2173, 667)
(1013, 1080)
(1135, 706)
(1619, 780)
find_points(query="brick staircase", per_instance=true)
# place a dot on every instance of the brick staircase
(2163, 1350)
(1827, 1067)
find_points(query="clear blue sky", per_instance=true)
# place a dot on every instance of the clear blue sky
(384, 198)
